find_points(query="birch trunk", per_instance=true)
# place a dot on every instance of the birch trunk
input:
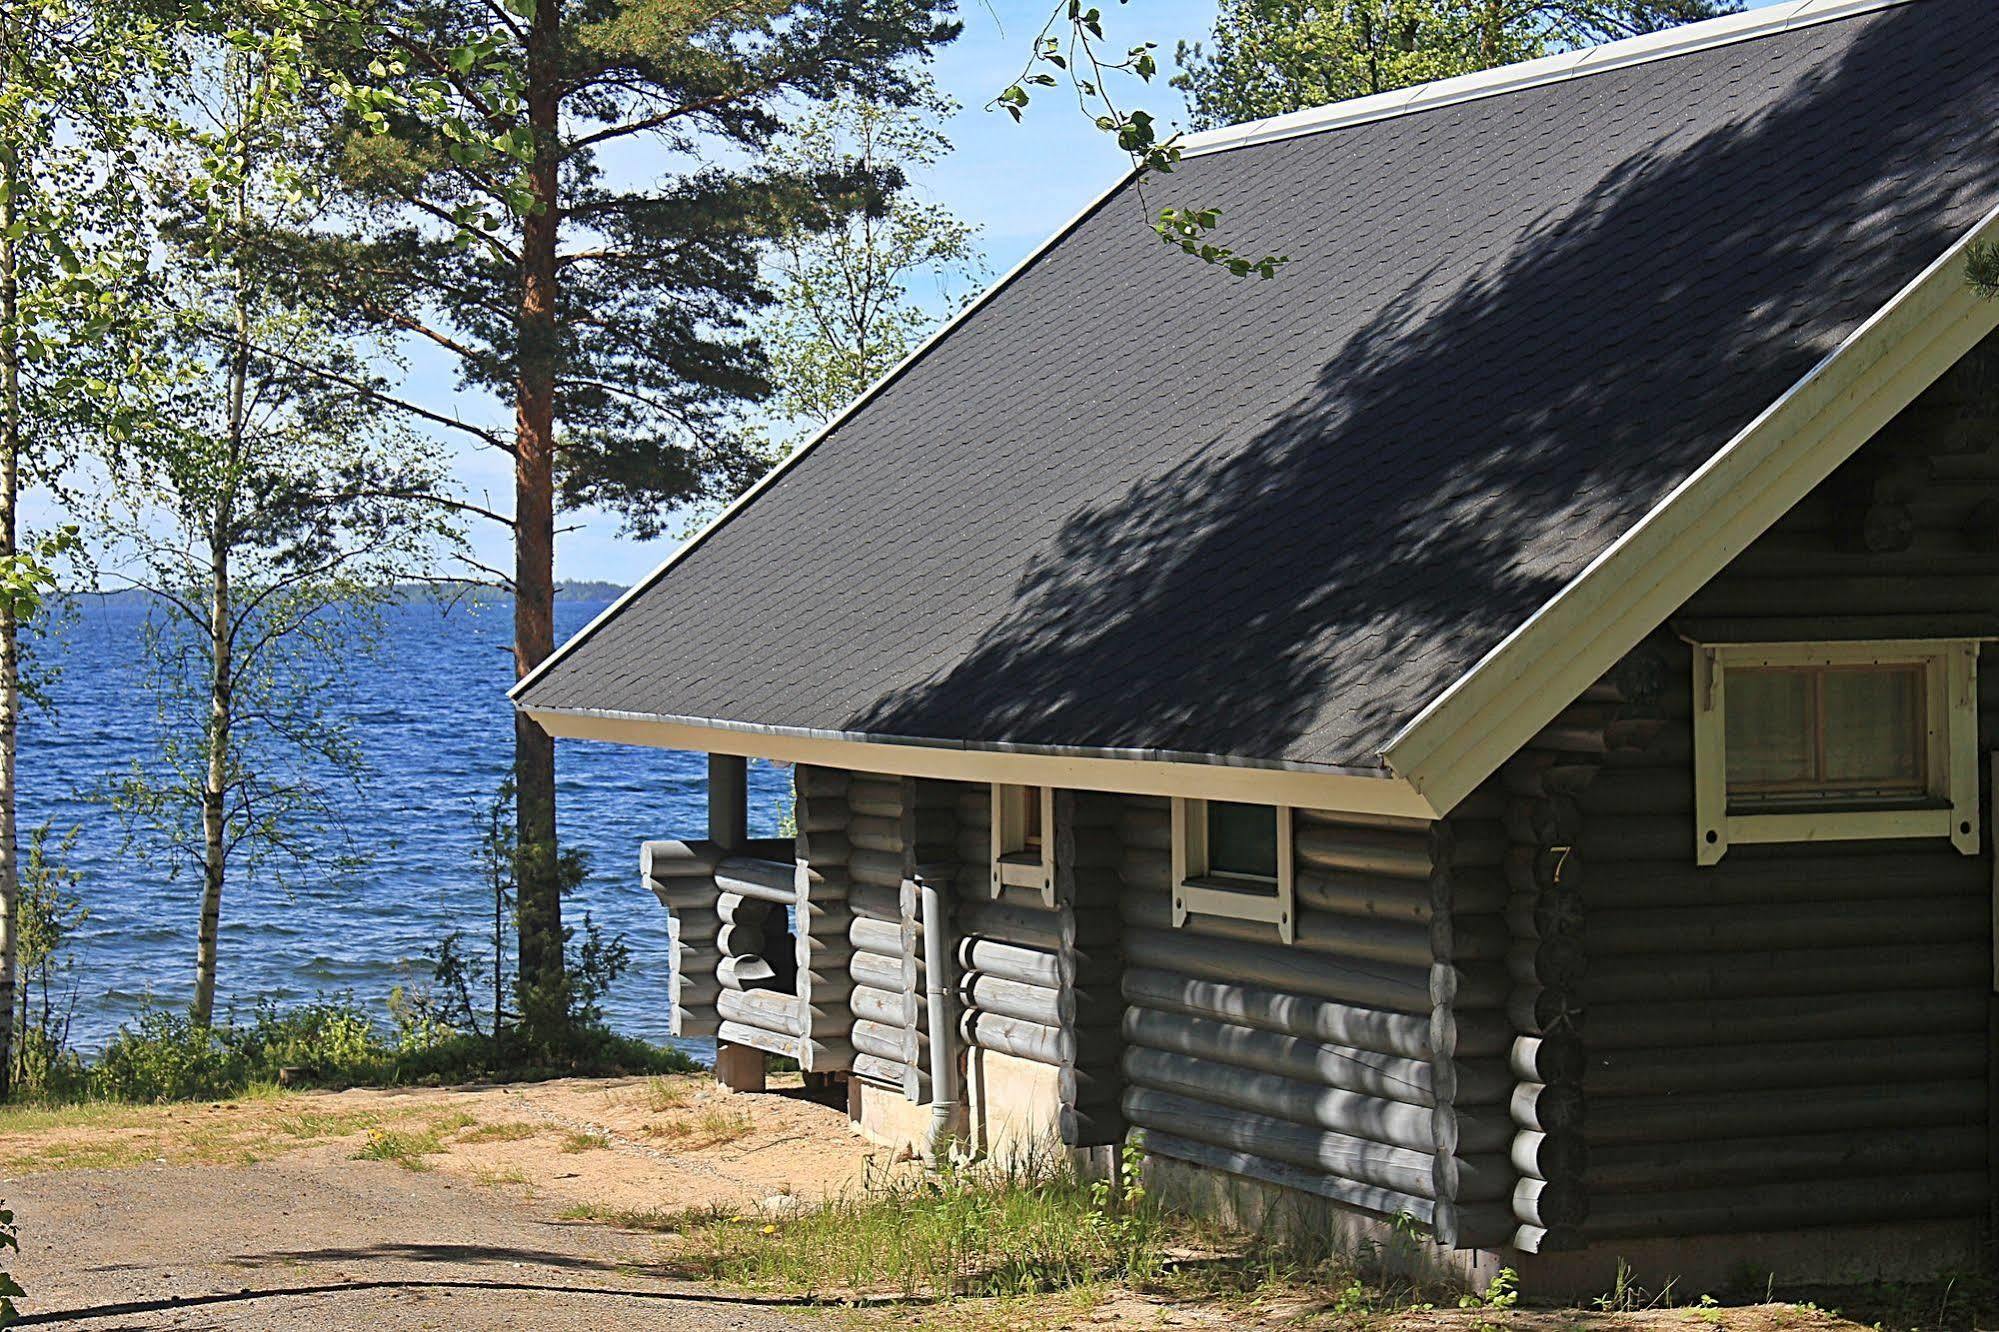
(10, 662)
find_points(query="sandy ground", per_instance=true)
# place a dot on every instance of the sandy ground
(259, 1215)
(549, 1206)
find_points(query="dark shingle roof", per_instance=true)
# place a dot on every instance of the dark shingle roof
(1132, 503)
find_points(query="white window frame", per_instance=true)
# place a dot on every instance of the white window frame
(1015, 864)
(1196, 892)
(1951, 745)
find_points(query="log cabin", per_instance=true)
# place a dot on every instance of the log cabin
(1491, 728)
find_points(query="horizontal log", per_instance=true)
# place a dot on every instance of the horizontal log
(884, 869)
(891, 1073)
(1559, 962)
(1369, 896)
(1789, 1204)
(1628, 934)
(876, 902)
(744, 973)
(885, 1041)
(875, 797)
(1405, 942)
(810, 1053)
(1746, 879)
(770, 1009)
(1554, 820)
(1461, 1035)
(737, 940)
(1365, 1072)
(1351, 1193)
(1546, 1107)
(1090, 1126)
(1014, 962)
(1396, 854)
(1723, 1022)
(1316, 1105)
(1882, 1061)
(822, 814)
(1150, 828)
(1564, 1155)
(679, 860)
(1357, 1159)
(1550, 1204)
(1470, 985)
(1547, 1059)
(1676, 1119)
(1275, 1010)
(1090, 1048)
(875, 833)
(1539, 869)
(693, 1023)
(1540, 1011)
(1036, 1003)
(689, 899)
(1679, 1166)
(826, 851)
(1371, 984)
(763, 880)
(878, 970)
(886, 1007)
(878, 936)
(810, 780)
(1542, 1239)
(1009, 923)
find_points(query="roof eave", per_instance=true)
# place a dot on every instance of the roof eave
(1374, 791)
(1489, 713)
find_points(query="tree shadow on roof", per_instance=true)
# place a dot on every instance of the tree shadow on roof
(1511, 393)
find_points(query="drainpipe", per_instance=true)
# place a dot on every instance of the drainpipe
(937, 951)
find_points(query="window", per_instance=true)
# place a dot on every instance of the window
(1798, 742)
(1242, 839)
(1234, 861)
(1023, 849)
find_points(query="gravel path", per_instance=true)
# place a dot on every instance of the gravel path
(293, 1245)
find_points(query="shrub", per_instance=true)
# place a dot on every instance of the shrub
(167, 1056)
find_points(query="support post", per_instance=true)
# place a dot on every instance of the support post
(737, 1067)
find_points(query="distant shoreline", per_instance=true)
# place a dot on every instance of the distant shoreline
(406, 594)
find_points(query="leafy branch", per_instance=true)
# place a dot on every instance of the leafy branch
(1081, 57)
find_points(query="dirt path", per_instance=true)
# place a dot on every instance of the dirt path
(484, 1208)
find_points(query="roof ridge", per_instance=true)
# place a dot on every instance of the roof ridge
(1665, 44)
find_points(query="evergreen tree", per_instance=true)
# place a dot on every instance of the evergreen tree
(612, 319)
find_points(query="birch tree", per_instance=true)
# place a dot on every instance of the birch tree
(267, 506)
(67, 239)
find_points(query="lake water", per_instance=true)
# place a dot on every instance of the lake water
(435, 726)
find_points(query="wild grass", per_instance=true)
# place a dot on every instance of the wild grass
(712, 1125)
(410, 1147)
(971, 1231)
(574, 1142)
(501, 1130)
(660, 1094)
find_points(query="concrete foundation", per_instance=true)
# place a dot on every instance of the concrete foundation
(886, 1117)
(1016, 1107)
(1734, 1266)
(1751, 1263)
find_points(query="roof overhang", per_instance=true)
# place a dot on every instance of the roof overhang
(1378, 793)
(1648, 573)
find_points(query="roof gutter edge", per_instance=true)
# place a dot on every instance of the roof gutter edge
(1133, 771)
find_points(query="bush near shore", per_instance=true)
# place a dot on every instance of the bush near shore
(329, 1042)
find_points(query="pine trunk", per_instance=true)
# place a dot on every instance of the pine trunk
(539, 886)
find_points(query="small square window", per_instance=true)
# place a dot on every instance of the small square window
(1242, 839)
(1835, 741)
(1023, 852)
(1233, 860)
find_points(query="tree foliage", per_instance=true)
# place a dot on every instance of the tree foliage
(851, 297)
(1270, 57)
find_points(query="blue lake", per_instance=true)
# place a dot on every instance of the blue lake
(434, 724)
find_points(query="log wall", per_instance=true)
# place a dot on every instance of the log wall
(1365, 1062)
(1040, 982)
(1798, 1035)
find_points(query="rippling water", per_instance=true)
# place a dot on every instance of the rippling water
(434, 724)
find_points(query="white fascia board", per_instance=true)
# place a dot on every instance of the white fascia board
(1558, 68)
(1374, 793)
(791, 460)
(1648, 573)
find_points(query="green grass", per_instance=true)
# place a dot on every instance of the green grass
(970, 1232)
(501, 1130)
